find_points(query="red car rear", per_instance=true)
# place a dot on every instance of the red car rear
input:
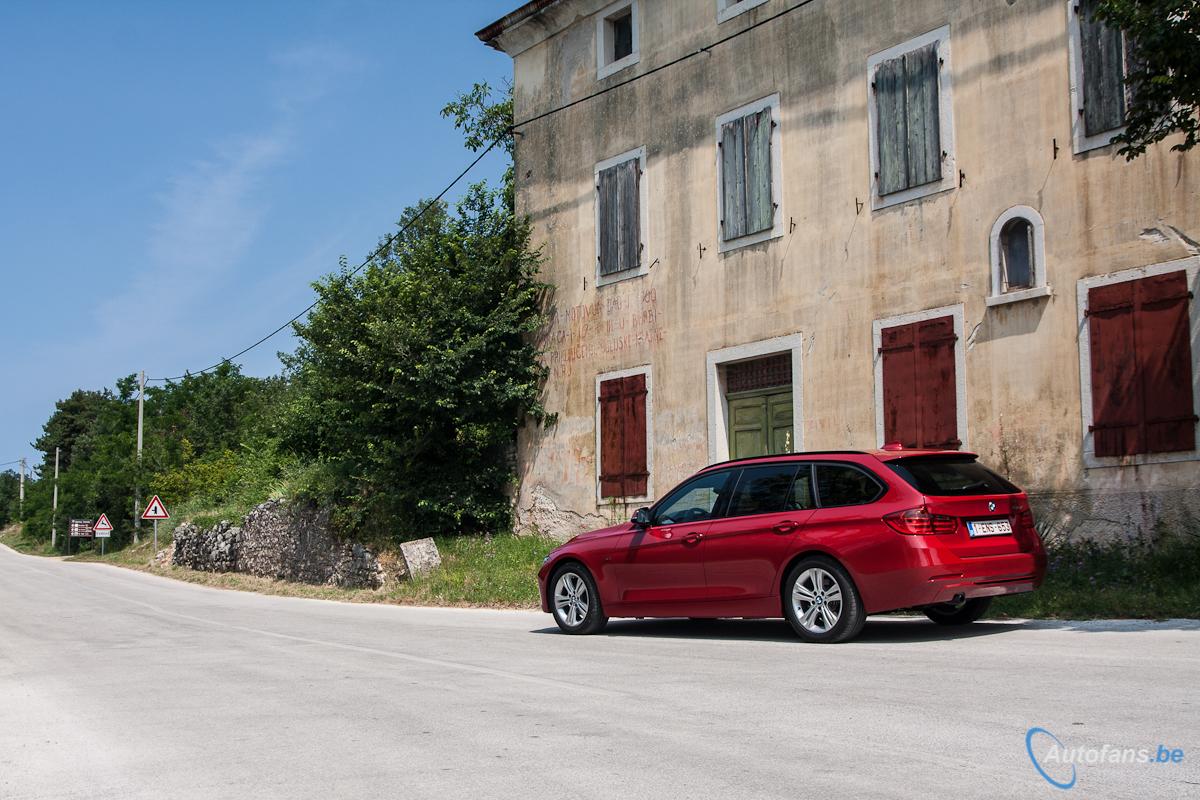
(822, 539)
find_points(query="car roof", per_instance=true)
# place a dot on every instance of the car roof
(855, 455)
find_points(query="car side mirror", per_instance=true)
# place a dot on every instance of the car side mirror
(641, 518)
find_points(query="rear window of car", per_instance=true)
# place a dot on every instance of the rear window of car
(951, 477)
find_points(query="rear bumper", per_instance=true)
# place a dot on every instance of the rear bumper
(937, 576)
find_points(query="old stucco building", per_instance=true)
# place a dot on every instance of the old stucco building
(776, 225)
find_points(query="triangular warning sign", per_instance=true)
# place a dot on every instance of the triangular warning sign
(155, 510)
(102, 525)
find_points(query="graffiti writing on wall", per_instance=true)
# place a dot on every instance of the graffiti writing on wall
(605, 327)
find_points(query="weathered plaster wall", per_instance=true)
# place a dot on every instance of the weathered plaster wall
(840, 265)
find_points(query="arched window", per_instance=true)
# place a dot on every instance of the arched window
(1018, 257)
(1017, 264)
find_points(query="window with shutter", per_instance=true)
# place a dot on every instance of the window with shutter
(747, 174)
(920, 400)
(908, 120)
(1141, 366)
(623, 462)
(618, 216)
(1102, 50)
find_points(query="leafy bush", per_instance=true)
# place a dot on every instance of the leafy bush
(412, 378)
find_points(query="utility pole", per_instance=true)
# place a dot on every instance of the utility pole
(54, 513)
(137, 489)
(21, 502)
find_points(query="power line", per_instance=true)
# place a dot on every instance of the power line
(375, 253)
(661, 67)
(392, 238)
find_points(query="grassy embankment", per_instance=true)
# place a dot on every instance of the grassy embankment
(494, 571)
(1085, 580)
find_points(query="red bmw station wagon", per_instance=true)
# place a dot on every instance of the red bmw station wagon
(822, 539)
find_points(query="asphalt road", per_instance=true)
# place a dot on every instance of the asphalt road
(116, 684)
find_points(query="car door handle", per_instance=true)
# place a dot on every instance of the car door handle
(693, 538)
(785, 527)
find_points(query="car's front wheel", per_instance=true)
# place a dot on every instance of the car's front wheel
(821, 601)
(962, 613)
(575, 601)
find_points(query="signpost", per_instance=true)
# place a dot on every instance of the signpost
(155, 510)
(102, 530)
(79, 529)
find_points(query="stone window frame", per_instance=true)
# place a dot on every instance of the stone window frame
(605, 68)
(949, 179)
(1080, 141)
(639, 154)
(718, 404)
(648, 497)
(1040, 288)
(1189, 265)
(776, 229)
(960, 365)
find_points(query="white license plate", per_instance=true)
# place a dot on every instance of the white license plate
(989, 527)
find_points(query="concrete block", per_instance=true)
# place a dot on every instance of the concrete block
(420, 556)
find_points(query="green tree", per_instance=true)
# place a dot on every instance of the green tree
(9, 497)
(414, 376)
(1164, 80)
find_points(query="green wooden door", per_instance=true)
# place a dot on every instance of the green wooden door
(760, 424)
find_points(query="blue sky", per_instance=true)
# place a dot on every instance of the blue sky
(176, 174)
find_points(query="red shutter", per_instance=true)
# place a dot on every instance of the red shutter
(920, 400)
(623, 470)
(612, 468)
(937, 397)
(1165, 362)
(634, 436)
(898, 350)
(1141, 366)
(1116, 394)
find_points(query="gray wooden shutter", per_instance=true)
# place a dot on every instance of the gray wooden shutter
(760, 204)
(921, 106)
(606, 184)
(628, 216)
(1103, 53)
(892, 134)
(733, 179)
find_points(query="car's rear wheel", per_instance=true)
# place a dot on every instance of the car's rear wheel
(962, 613)
(821, 601)
(575, 602)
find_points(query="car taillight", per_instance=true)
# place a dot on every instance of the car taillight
(1023, 524)
(919, 522)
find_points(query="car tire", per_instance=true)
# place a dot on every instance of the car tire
(821, 601)
(574, 601)
(963, 613)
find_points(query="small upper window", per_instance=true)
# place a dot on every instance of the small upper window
(1018, 256)
(728, 9)
(616, 38)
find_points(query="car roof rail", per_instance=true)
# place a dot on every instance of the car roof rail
(782, 456)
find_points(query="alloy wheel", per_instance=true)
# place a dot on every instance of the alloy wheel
(571, 599)
(817, 600)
